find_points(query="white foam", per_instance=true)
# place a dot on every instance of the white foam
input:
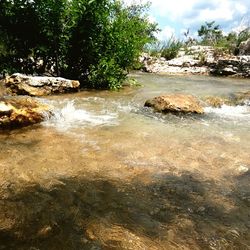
(71, 117)
(230, 111)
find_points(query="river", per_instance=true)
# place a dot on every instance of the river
(107, 173)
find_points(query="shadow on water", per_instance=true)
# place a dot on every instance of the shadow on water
(61, 191)
(150, 212)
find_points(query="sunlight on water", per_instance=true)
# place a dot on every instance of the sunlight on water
(104, 172)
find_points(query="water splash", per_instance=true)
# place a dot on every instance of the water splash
(230, 111)
(69, 116)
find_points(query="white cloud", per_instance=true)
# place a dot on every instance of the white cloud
(174, 9)
(152, 19)
(223, 9)
(179, 8)
(192, 13)
(241, 8)
(221, 12)
(166, 33)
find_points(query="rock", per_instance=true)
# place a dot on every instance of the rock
(244, 48)
(238, 98)
(228, 71)
(184, 61)
(242, 98)
(118, 237)
(177, 66)
(21, 111)
(4, 109)
(199, 60)
(175, 103)
(2, 87)
(216, 101)
(45, 232)
(19, 84)
(231, 66)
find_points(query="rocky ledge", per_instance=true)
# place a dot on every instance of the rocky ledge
(175, 103)
(21, 111)
(238, 66)
(19, 84)
(177, 66)
(199, 60)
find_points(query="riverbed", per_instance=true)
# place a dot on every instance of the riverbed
(106, 173)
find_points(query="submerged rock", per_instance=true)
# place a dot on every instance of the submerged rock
(238, 98)
(217, 102)
(175, 103)
(242, 98)
(19, 84)
(19, 112)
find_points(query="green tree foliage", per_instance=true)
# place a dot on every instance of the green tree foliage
(243, 36)
(96, 41)
(171, 48)
(167, 49)
(31, 30)
(210, 33)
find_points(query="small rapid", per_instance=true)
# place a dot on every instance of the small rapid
(68, 115)
(231, 112)
(81, 113)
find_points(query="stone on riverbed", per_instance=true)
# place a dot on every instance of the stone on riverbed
(238, 98)
(21, 111)
(175, 103)
(242, 97)
(19, 84)
(218, 102)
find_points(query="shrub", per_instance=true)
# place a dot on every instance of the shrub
(80, 39)
(167, 49)
(212, 35)
(106, 74)
(171, 48)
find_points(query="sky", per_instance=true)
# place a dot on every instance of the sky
(176, 16)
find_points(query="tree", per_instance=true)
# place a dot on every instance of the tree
(106, 42)
(210, 33)
(96, 41)
(16, 18)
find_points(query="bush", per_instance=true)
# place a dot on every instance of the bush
(106, 74)
(171, 48)
(212, 35)
(154, 49)
(168, 49)
(80, 39)
(242, 36)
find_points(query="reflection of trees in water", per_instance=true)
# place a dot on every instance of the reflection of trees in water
(161, 212)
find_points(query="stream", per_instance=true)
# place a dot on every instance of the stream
(106, 173)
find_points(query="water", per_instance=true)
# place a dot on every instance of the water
(107, 173)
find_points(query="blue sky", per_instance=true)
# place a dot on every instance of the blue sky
(176, 16)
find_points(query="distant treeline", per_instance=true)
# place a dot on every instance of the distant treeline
(209, 34)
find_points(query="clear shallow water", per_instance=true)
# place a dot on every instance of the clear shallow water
(106, 173)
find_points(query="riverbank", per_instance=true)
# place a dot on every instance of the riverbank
(200, 60)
